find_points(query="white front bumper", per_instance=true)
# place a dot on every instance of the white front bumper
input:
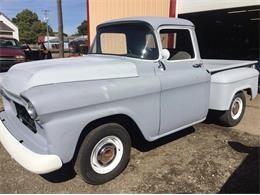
(34, 162)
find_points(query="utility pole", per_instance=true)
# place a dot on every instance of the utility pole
(60, 27)
(46, 19)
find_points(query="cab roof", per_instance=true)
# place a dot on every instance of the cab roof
(154, 21)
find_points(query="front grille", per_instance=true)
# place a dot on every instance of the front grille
(8, 58)
(25, 118)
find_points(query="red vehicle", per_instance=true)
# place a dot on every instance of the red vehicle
(10, 53)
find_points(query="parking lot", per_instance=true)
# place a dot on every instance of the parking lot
(205, 158)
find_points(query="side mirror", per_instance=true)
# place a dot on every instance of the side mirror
(165, 54)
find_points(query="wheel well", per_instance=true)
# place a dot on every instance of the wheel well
(127, 122)
(248, 91)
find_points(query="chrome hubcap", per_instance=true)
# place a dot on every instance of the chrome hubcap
(236, 108)
(106, 154)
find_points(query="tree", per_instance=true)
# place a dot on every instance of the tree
(83, 28)
(30, 27)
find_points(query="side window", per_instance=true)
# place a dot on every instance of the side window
(178, 42)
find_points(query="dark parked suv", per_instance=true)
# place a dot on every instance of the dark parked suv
(10, 53)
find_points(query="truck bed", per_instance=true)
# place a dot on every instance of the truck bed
(213, 65)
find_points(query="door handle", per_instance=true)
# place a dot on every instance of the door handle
(197, 65)
(161, 66)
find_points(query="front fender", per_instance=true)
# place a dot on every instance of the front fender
(64, 129)
(65, 109)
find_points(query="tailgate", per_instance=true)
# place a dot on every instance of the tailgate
(220, 65)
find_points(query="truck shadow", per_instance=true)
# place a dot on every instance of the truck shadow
(67, 171)
(144, 146)
(212, 118)
(64, 174)
(245, 179)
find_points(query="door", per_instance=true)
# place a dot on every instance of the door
(185, 84)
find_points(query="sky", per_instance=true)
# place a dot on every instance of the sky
(74, 11)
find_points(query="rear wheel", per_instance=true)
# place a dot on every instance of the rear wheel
(104, 154)
(236, 111)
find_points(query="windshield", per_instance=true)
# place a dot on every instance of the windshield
(131, 40)
(9, 43)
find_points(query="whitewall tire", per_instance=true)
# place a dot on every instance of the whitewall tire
(103, 154)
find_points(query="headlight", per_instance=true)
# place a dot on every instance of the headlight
(30, 108)
(19, 57)
(31, 111)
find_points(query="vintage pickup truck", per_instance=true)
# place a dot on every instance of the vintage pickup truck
(143, 75)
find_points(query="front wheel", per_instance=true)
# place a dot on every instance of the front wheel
(236, 111)
(104, 154)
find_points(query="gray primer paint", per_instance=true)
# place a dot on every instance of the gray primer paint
(160, 102)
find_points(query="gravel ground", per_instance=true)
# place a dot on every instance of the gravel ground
(205, 158)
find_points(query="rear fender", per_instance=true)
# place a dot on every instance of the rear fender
(224, 85)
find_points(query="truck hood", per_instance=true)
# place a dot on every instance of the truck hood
(31, 74)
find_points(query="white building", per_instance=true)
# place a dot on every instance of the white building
(7, 27)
